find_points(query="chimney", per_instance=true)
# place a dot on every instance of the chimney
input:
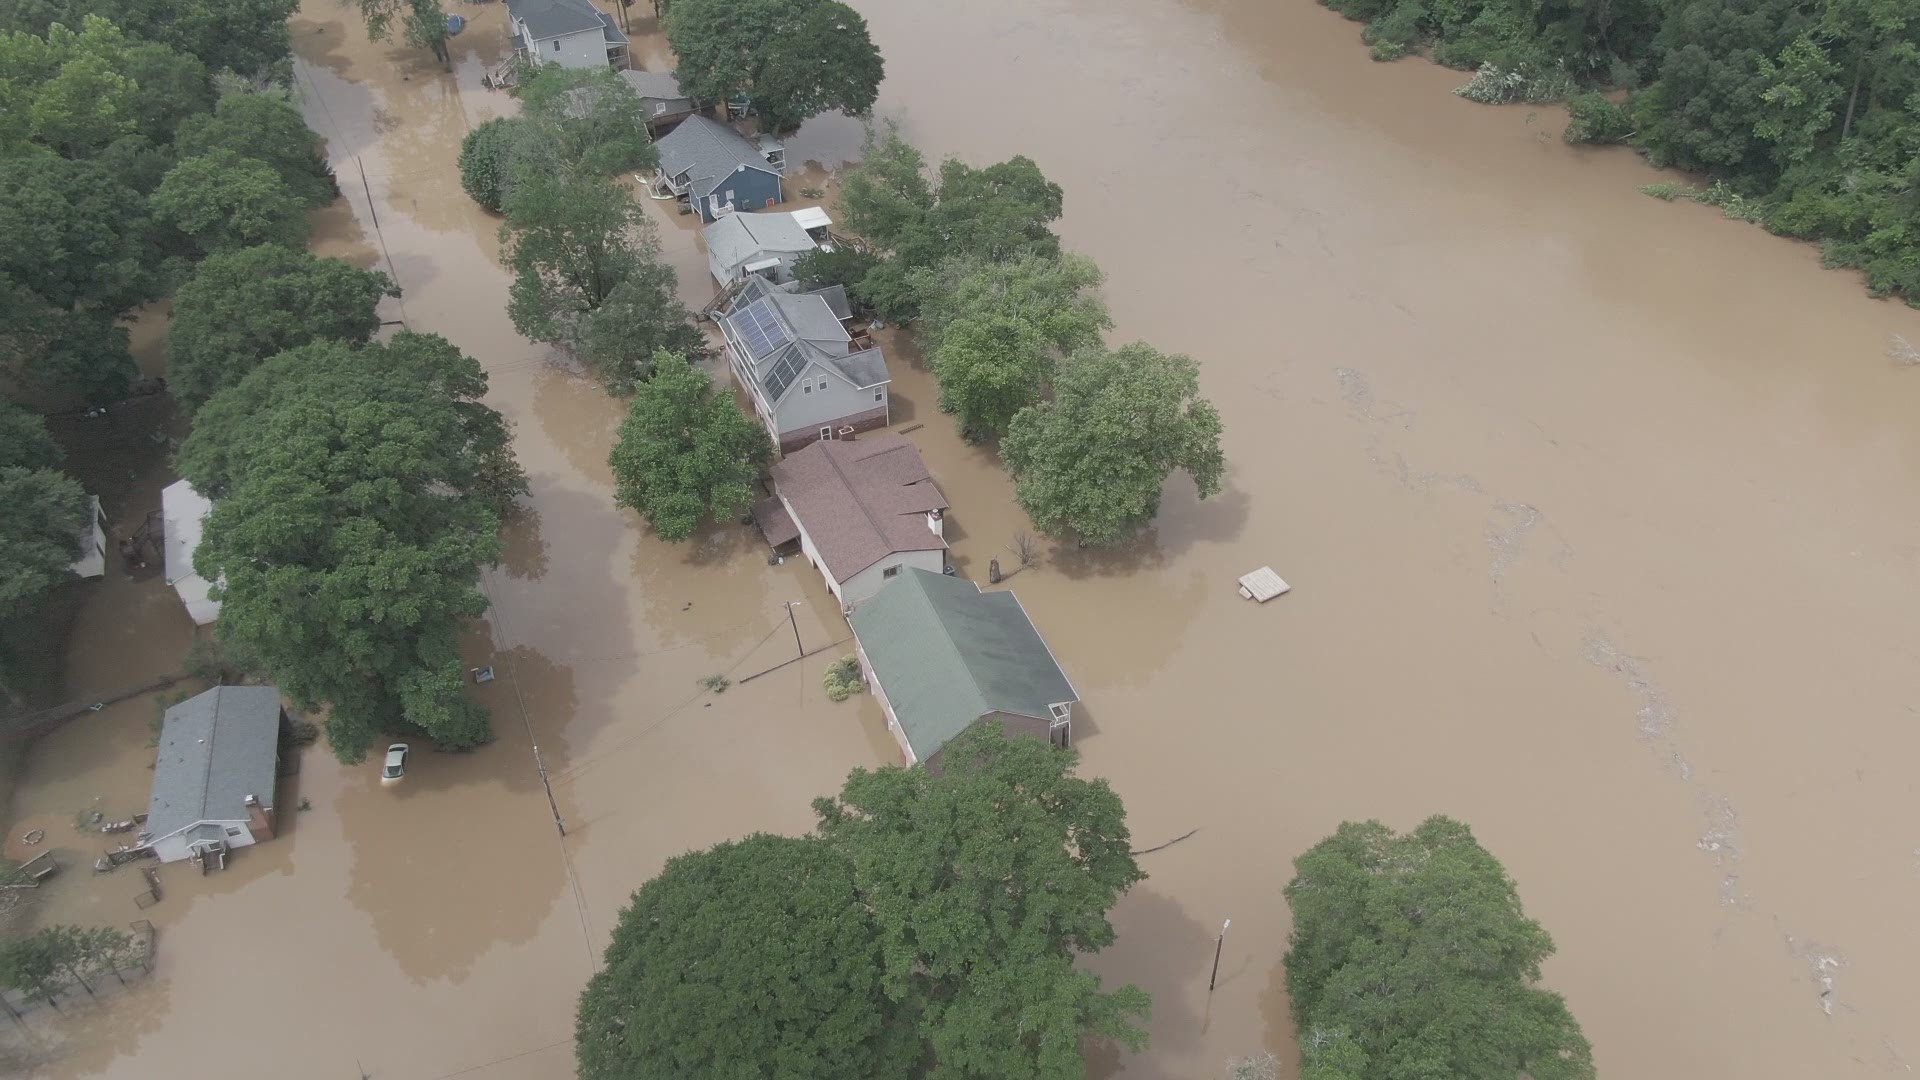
(846, 433)
(259, 819)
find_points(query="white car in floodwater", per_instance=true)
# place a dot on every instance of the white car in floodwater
(396, 766)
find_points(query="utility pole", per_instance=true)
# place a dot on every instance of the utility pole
(1218, 944)
(798, 649)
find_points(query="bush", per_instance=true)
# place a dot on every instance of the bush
(485, 155)
(843, 678)
(1387, 50)
(1591, 118)
(1665, 190)
(1399, 28)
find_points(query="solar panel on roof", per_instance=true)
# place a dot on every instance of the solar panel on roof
(783, 372)
(760, 330)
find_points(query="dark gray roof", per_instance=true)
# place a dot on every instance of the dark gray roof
(706, 152)
(614, 36)
(557, 18)
(215, 750)
(784, 331)
(739, 238)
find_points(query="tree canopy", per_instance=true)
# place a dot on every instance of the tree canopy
(248, 37)
(639, 319)
(686, 451)
(486, 156)
(422, 24)
(357, 491)
(794, 58)
(222, 200)
(266, 128)
(45, 509)
(1092, 460)
(753, 958)
(1410, 956)
(243, 306)
(985, 880)
(570, 242)
(583, 120)
(994, 214)
(994, 330)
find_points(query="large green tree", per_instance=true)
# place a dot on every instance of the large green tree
(486, 159)
(267, 128)
(222, 200)
(422, 24)
(75, 253)
(248, 37)
(570, 241)
(641, 318)
(1092, 460)
(755, 958)
(1410, 957)
(66, 91)
(243, 306)
(39, 530)
(686, 451)
(794, 58)
(357, 492)
(986, 879)
(582, 120)
(993, 214)
(994, 330)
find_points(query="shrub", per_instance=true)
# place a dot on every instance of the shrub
(843, 678)
(1591, 118)
(485, 155)
(1664, 190)
(1387, 50)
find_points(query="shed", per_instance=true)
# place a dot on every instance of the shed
(92, 562)
(185, 511)
(660, 99)
(767, 244)
(941, 656)
(213, 779)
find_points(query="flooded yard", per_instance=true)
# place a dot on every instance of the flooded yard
(1599, 514)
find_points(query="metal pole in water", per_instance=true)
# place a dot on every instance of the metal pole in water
(799, 650)
(1218, 943)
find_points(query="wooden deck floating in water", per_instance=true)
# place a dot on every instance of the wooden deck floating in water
(1262, 585)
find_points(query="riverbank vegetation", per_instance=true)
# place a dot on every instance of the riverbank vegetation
(929, 918)
(1410, 956)
(1800, 112)
(1012, 328)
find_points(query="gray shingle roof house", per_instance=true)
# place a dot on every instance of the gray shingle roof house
(767, 243)
(940, 656)
(214, 777)
(660, 99)
(717, 169)
(792, 354)
(571, 33)
(864, 512)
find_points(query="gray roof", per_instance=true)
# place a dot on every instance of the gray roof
(783, 331)
(947, 654)
(558, 18)
(706, 152)
(654, 84)
(215, 750)
(736, 239)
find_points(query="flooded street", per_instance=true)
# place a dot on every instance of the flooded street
(1599, 512)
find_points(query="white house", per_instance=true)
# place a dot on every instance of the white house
(92, 562)
(214, 777)
(185, 511)
(806, 375)
(767, 243)
(862, 511)
(571, 33)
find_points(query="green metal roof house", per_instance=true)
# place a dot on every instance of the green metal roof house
(940, 655)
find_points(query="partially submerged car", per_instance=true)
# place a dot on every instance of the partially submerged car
(396, 766)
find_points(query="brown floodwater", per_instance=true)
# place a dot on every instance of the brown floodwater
(1599, 514)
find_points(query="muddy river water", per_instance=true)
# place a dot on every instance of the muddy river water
(1600, 514)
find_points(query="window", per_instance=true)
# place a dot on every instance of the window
(807, 387)
(556, 44)
(891, 571)
(879, 395)
(1061, 711)
(826, 433)
(233, 830)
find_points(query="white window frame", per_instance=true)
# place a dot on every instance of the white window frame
(826, 433)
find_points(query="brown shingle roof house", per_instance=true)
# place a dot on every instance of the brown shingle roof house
(862, 510)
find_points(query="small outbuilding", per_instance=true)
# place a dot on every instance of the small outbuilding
(92, 562)
(940, 655)
(213, 781)
(184, 512)
(660, 99)
(864, 511)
